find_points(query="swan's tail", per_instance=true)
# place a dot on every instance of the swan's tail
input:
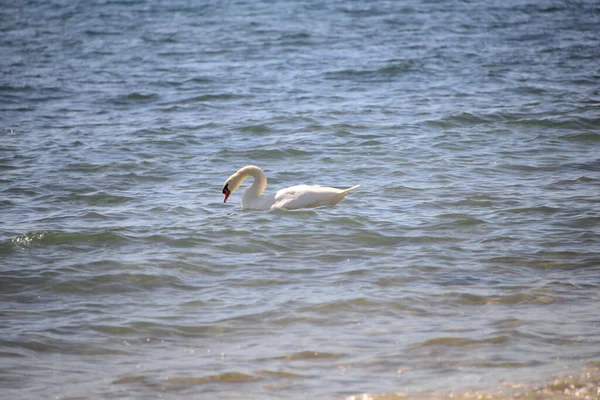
(338, 197)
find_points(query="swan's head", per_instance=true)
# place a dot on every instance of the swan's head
(231, 184)
(235, 180)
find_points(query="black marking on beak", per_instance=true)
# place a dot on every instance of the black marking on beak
(226, 192)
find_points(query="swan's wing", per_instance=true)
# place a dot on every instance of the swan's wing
(305, 196)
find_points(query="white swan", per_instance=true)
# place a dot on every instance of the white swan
(294, 197)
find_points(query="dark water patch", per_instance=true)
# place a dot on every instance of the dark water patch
(500, 364)
(262, 282)
(458, 221)
(531, 90)
(201, 330)
(118, 283)
(451, 342)
(374, 238)
(310, 355)
(130, 379)
(119, 330)
(209, 98)
(262, 154)
(261, 128)
(469, 299)
(345, 305)
(555, 123)
(136, 329)
(477, 201)
(202, 80)
(294, 321)
(181, 382)
(136, 98)
(140, 331)
(85, 168)
(7, 167)
(226, 377)
(6, 247)
(190, 242)
(583, 137)
(25, 191)
(461, 120)
(573, 182)
(100, 198)
(10, 354)
(97, 32)
(549, 167)
(387, 73)
(582, 222)
(93, 215)
(144, 177)
(281, 374)
(592, 165)
(534, 210)
(42, 343)
(58, 238)
(294, 40)
(424, 239)
(194, 304)
(536, 262)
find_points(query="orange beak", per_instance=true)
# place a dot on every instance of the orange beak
(226, 193)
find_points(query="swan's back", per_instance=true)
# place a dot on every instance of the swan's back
(307, 196)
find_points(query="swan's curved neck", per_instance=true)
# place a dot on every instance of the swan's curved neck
(259, 184)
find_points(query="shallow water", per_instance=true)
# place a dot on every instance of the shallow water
(467, 262)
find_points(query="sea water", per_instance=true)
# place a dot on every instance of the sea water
(467, 263)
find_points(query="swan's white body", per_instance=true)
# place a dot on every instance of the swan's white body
(294, 197)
